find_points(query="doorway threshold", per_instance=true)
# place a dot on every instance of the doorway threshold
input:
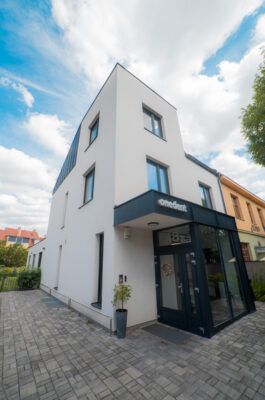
(167, 333)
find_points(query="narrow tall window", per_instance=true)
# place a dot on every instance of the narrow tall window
(236, 206)
(64, 209)
(250, 211)
(157, 177)
(40, 258)
(205, 196)
(93, 132)
(58, 267)
(33, 262)
(152, 123)
(29, 260)
(100, 238)
(89, 186)
(261, 216)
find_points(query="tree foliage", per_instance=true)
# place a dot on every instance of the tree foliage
(13, 255)
(253, 118)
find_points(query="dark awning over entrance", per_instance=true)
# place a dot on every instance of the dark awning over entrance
(153, 206)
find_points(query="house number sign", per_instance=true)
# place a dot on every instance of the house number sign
(172, 204)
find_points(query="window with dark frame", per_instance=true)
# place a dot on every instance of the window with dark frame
(205, 196)
(93, 132)
(98, 303)
(245, 251)
(236, 206)
(261, 216)
(89, 186)
(157, 177)
(250, 211)
(152, 123)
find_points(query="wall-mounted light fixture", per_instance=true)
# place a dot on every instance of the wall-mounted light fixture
(126, 232)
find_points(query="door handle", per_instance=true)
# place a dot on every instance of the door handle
(180, 287)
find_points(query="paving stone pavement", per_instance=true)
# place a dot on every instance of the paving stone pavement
(54, 353)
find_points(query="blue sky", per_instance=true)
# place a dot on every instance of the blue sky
(55, 55)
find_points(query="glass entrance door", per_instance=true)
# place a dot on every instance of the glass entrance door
(178, 291)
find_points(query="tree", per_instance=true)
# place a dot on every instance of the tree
(13, 256)
(253, 118)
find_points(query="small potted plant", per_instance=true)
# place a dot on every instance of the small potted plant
(122, 293)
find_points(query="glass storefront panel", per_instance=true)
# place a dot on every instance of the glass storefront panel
(233, 282)
(170, 281)
(174, 236)
(218, 299)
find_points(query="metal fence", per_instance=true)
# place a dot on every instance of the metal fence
(256, 270)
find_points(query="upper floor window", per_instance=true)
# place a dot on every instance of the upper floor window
(12, 238)
(89, 186)
(93, 132)
(25, 240)
(152, 123)
(236, 206)
(205, 196)
(261, 216)
(157, 177)
(250, 211)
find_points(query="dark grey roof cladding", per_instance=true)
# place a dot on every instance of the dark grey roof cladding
(201, 164)
(69, 162)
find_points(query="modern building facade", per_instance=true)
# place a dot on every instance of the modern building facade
(130, 206)
(249, 213)
(21, 236)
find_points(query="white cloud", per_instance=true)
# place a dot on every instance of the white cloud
(166, 44)
(18, 87)
(25, 190)
(51, 132)
(27, 96)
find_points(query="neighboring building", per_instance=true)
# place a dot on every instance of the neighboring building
(129, 205)
(249, 213)
(25, 238)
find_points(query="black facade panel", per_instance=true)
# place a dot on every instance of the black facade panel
(69, 162)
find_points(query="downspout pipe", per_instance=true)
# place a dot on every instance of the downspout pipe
(220, 187)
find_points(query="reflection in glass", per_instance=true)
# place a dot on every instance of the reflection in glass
(190, 283)
(218, 299)
(171, 285)
(147, 120)
(157, 127)
(233, 282)
(152, 176)
(163, 180)
(174, 236)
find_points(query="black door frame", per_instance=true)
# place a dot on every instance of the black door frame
(183, 319)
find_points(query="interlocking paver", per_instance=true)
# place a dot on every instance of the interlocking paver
(51, 354)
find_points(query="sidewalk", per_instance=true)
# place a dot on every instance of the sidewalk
(53, 353)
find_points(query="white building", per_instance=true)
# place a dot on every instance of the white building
(125, 177)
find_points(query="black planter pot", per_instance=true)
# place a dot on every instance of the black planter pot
(121, 322)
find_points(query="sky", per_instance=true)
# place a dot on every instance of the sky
(202, 56)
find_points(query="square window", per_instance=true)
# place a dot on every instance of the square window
(152, 123)
(93, 132)
(205, 196)
(157, 177)
(89, 186)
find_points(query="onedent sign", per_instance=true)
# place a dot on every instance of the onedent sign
(172, 204)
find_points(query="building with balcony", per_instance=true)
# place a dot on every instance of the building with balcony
(130, 206)
(249, 212)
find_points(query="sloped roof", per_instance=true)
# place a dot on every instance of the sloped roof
(15, 232)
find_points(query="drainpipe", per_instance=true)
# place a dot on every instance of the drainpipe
(220, 187)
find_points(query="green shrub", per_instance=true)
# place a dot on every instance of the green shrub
(29, 278)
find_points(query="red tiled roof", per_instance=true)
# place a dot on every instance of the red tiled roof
(15, 232)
